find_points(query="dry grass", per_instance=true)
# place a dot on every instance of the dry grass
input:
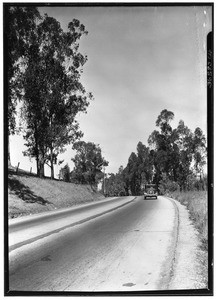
(30, 195)
(196, 203)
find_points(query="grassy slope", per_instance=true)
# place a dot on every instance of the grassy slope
(30, 195)
(196, 203)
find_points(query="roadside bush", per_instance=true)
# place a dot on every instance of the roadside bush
(64, 173)
(194, 184)
(190, 182)
(166, 186)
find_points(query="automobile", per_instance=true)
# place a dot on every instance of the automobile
(150, 191)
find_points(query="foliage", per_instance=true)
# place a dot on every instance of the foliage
(64, 173)
(138, 172)
(19, 22)
(174, 160)
(175, 151)
(164, 148)
(139, 169)
(145, 165)
(199, 150)
(53, 94)
(115, 185)
(192, 183)
(132, 173)
(88, 162)
(166, 185)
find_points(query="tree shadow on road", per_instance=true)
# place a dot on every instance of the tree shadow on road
(24, 192)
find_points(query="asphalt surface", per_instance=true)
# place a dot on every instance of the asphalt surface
(130, 248)
(28, 229)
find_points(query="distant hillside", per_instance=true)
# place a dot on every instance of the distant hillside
(30, 194)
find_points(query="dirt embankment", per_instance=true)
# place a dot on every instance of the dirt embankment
(30, 195)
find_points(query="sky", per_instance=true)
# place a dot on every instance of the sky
(141, 60)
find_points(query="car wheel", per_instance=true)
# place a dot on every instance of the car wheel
(144, 198)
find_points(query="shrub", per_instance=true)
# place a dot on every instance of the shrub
(65, 173)
(166, 186)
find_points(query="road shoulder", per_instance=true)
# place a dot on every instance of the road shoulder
(190, 270)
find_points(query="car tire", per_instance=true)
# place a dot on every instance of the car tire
(144, 198)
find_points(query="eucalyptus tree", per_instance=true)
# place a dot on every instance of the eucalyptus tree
(88, 162)
(183, 142)
(19, 23)
(53, 93)
(162, 144)
(145, 165)
(115, 184)
(132, 174)
(199, 150)
(177, 153)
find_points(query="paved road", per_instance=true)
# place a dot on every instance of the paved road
(128, 249)
(28, 229)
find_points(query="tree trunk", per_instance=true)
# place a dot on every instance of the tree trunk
(37, 165)
(51, 163)
(51, 152)
(9, 155)
(37, 150)
(52, 171)
(40, 170)
(37, 159)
